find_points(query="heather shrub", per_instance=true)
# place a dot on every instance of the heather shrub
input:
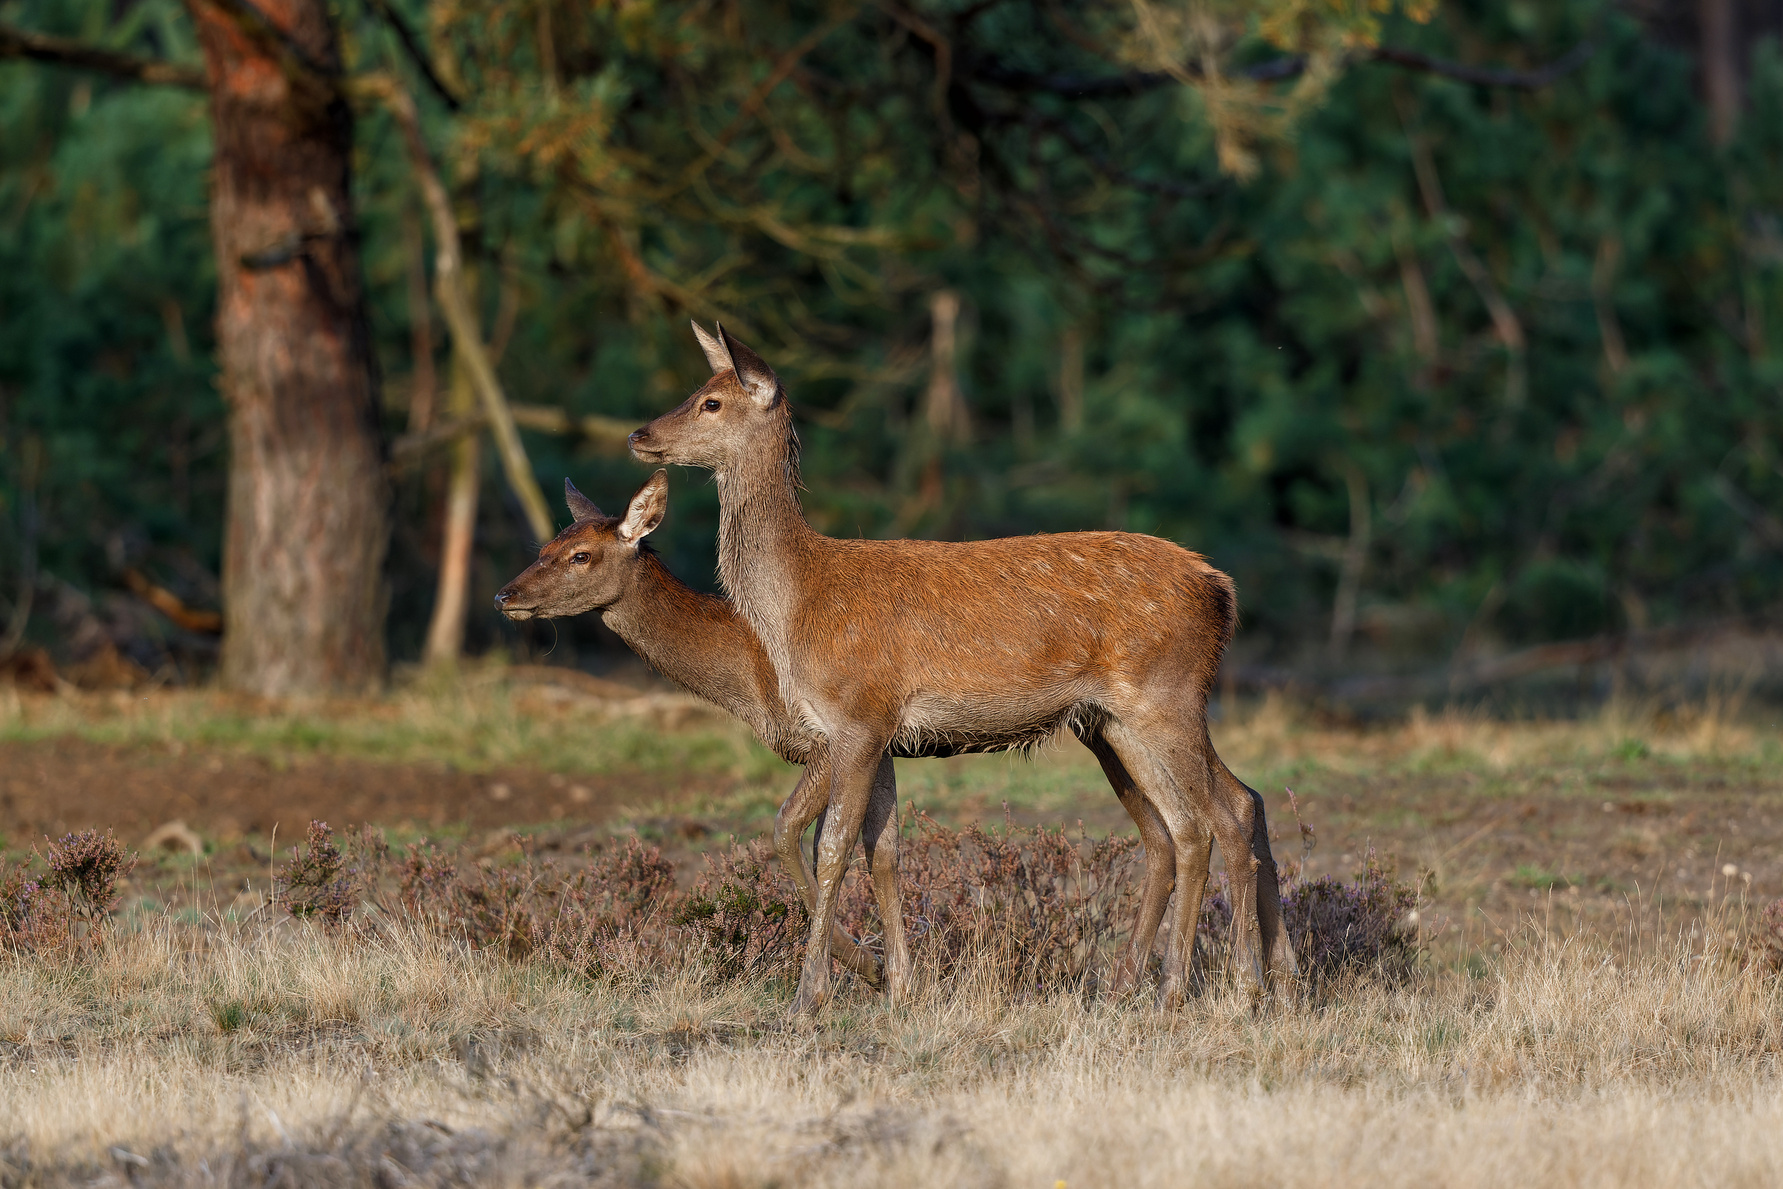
(615, 912)
(314, 883)
(591, 917)
(1042, 909)
(745, 915)
(1360, 925)
(85, 868)
(29, 918)
(67, 907)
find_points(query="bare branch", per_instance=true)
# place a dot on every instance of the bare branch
(1487, 76)
(63, 51)
(467, 340)
(609, 435)
(412, 46)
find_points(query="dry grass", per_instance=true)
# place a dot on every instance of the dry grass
(1620, 1046)
(253, 1053)
(1720, 729)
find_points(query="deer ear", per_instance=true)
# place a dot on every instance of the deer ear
(646, 510)
(716, 355)
(753, 372)
(581, 507)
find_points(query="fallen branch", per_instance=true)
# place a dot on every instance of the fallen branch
(193, 619)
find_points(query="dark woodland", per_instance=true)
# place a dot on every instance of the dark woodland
(1452, 332)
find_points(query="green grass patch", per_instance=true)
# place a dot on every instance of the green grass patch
(1528, 875)
(477, 726)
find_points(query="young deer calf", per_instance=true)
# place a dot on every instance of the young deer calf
(602, 563)
(937, 647)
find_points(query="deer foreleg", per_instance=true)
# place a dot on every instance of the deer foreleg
(853, 765)
(880, 834)
(805, 803)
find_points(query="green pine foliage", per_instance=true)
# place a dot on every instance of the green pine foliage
(1539, 332)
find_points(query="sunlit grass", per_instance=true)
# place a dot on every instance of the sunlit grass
(204, 1047)
(474, 724)
(1274, 743)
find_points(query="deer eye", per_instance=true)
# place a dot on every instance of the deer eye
(712, 406)
(580, 559)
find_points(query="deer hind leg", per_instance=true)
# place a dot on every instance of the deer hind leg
(879, 831)
(853, 765)
(1235, 825)
(805, 803)
(1281, 970)
(1180, 805)
(1235, 814)
(1160, 864)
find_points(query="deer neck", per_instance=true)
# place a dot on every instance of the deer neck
(763, 541)
(699, 642)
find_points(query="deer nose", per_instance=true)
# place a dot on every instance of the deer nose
(502, 596)
(641, 434)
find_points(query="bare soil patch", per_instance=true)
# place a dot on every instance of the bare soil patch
(1574, 848)
(52, 786)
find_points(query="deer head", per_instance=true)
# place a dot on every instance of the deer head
(589, 565)
(731, 416)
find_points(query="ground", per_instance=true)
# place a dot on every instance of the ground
(1587, 1014)
(1572, 819)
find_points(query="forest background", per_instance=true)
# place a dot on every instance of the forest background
(1446, 330)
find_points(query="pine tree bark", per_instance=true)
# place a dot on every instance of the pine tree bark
(308, 518)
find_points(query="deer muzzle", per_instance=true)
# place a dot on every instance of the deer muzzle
(504, 602)
(642, 445)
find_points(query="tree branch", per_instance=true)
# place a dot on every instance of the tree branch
(63, 51)
(609, 434)
(1487, 76)
(412, 45)
(1110, 86)
(467, 339)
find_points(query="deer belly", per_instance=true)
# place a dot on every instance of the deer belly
(936, 726)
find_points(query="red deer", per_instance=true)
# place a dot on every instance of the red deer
(603, 563)
(936, 647)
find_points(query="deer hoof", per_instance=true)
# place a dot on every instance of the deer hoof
(1124, 982)
(812, 995)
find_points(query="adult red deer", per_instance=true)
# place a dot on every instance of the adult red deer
(941, 647)
(603, 563)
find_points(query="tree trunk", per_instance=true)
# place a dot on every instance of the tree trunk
(1720, 66)
(308, 515)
